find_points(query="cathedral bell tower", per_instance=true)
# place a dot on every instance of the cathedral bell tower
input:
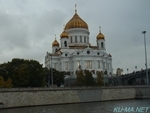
(64, 40)
(55, 45)
(101, 40)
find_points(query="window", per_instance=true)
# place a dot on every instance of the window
(66, 65)
(66, 55)
(55, 50)
(71, 39)
(77, 53)
(98, 64)
(75, 39)
(79, 64)
(84, 39)
(88, 52)
(87, 39)
(102, 44)
(80, 39)
(88, 64)
(98, 53)
(65, 43)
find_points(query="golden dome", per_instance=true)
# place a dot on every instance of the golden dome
(76, 22)
(100, 36)
(55, 43)
(64, 34)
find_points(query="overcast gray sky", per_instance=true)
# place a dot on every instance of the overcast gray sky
(28, 28)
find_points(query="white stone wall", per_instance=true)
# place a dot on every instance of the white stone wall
(78, 32)
(99, 41)
(62, 42)
(54, 48)
(59, 62)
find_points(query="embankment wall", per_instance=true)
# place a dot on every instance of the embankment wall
(46, 96)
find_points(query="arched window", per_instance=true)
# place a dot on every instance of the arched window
(65, 43)
(55, 50)
(102, 45)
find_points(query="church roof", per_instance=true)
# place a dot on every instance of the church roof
(55, 43)
(64, 34)
(100, 36)
(76, 22)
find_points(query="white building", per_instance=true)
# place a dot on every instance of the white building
(75, 50)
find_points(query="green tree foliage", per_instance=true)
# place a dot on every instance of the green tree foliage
(2, 82)
(80, 80)
(5, 84)
(100, 78)
(89, 80)
(84, 79)
(8, 83)
(23, 73)
(58, 77)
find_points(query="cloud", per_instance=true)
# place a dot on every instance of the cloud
(28, 33)
(28, 28)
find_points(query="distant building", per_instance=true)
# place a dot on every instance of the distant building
(75, 51)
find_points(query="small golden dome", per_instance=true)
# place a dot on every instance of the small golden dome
(55, 43)
(64, 34)
(76, 22)
(100, 36)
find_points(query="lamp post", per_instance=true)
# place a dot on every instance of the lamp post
(51, 71)
(144, 32)
(136, 68)
(49, 75)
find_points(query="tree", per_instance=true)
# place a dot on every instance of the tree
(21, 76)
(8, 83)
(24, 73)
(100, 78)
(80, 80)
(5, 84)
(58, 77)
(2, 82)
(89, 80)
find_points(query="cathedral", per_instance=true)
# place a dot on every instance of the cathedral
(74, 51)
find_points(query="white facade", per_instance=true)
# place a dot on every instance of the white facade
(75, 50)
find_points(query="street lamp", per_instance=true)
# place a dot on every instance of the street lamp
(51, 71)
(49, 75)
(144, 32)
(136, 68)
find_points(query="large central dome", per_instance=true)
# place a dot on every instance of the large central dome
(76, 22)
